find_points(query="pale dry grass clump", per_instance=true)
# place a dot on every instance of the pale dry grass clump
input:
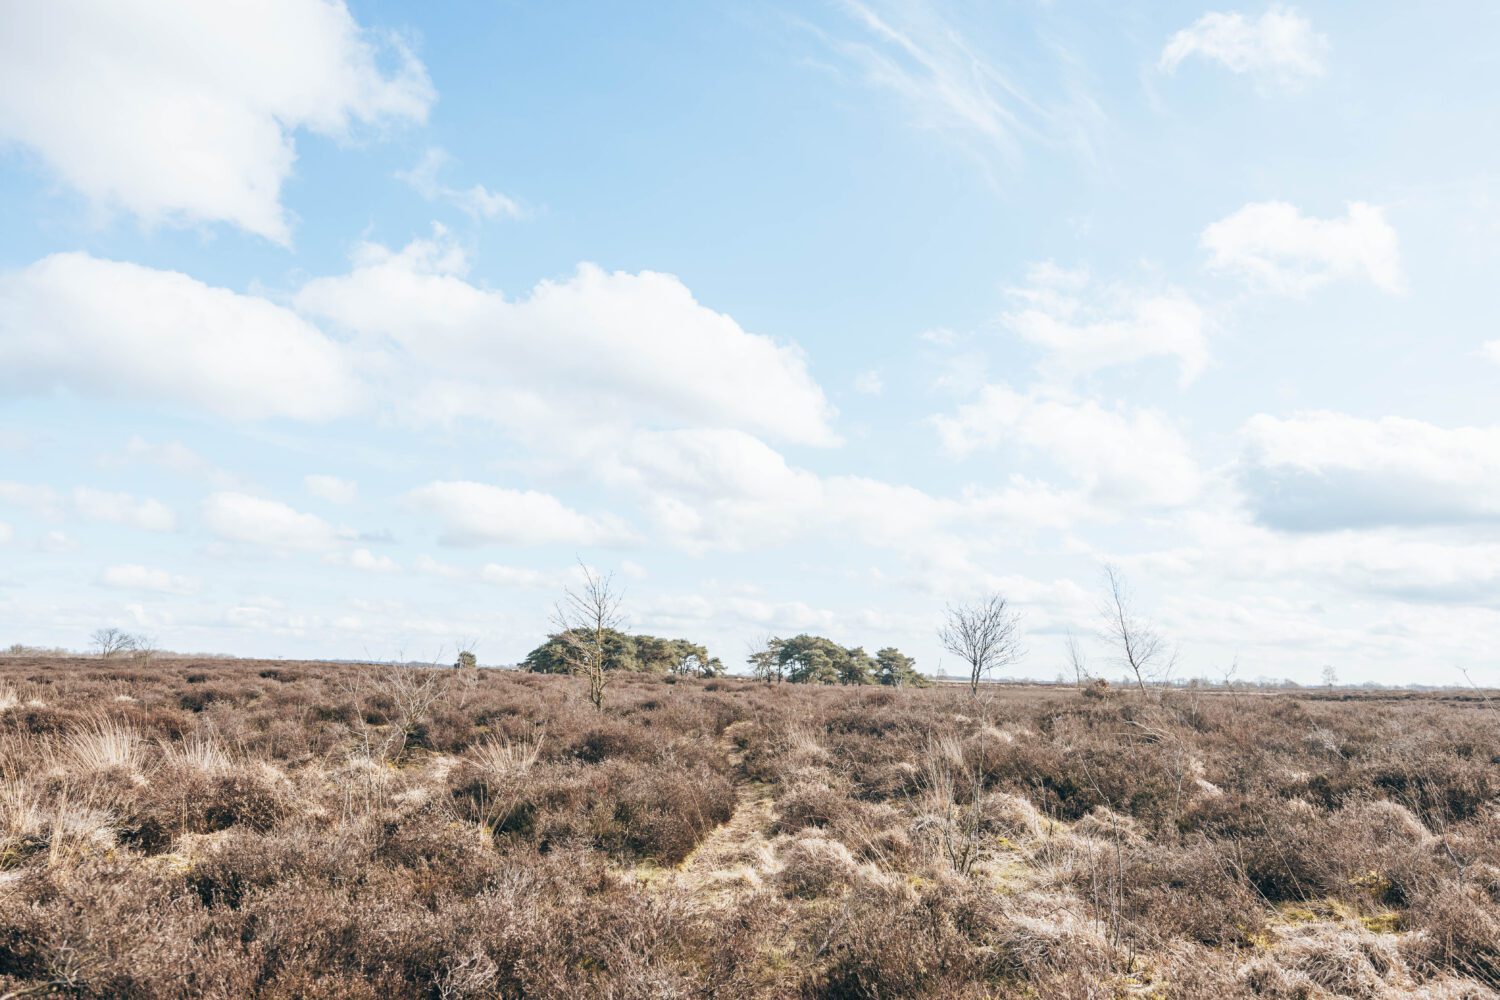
(105, 744)
(1342, 960)
(199, 752)
(60, 829)
(505, 759)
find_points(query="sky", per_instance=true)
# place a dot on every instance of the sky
(351, 331)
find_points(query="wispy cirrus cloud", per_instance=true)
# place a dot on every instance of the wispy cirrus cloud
(476, 200)
(947, 80)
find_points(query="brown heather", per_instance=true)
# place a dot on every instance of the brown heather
(298, 830)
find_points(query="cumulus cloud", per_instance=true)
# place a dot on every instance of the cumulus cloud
(1274, 246)
(477, 200)
(481, 514)
(136, 117)
(1118, 457)
(57, 542)
(122, 508)
(1278, 48)
(238, 517)
(331, 488)
(41, 499)
(135, 577)
(717, 490)
(174, 456)
(1394, 563)
(1085, 327)
(109, 329)
(370, 562)
(593, 350)
(524, 578)
(1322, 471)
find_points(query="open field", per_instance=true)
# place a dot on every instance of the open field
(256, 829)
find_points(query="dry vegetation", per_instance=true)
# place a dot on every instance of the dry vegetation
(239, 829)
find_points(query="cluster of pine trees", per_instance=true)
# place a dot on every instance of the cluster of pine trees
(815, 659)
(801, 659)
(641, 653)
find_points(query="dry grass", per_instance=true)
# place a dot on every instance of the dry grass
(278, 830)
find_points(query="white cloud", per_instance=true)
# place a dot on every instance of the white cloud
(1275, 246)
(172, 456)
(370, 562)
(42, 499)
(870, 383)
(105, 328)
(1084, 329)
(331, 488)
(1322, 471)
(134, 577)
(432, 567)
(1491, 350)
(237, 517)
(478, 514)
(477, 201)
(706, 490)
(1119, 457)
(598, 350)
(1279, 48)
(183, 111)
(6, 533)
(122, 508)
(1215, 548)
(523, 578)
(58, 541)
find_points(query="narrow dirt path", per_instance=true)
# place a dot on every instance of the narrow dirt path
(737, 855)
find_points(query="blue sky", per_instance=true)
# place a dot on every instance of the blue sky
(341, 330)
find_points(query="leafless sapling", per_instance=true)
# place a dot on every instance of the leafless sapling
(584, 619)
(1139, 647)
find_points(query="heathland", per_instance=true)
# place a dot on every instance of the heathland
(233, 828)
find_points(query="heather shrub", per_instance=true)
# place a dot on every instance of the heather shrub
(815, 866)
(1457, 930)
(255, 829)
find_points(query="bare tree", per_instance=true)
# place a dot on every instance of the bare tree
(1078, 660)
(584, 618)
(983, 635)
(146, 647)
(111, 641)
(1139, 647)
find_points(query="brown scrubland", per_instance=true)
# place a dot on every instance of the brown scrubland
(230, 829)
